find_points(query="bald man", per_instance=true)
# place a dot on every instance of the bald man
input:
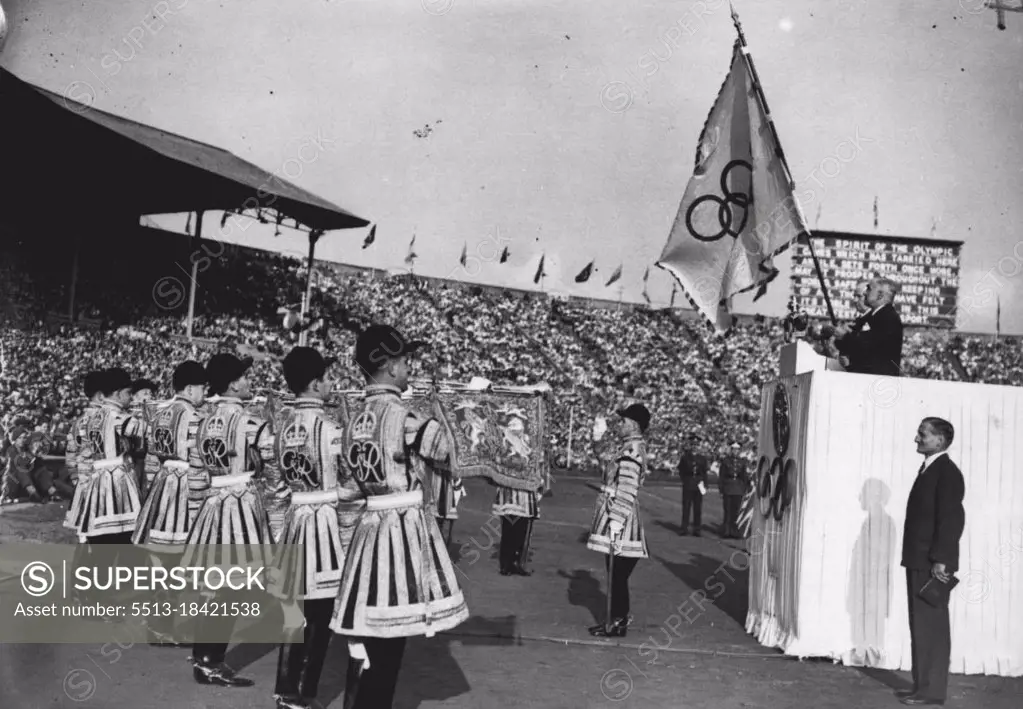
(876, 348)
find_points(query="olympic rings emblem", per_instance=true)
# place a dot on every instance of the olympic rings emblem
(769, 488)
(297, 467)
(763, 478)
(163, 441)
(366, 462)
(782, 496)
(726, 217)
(781, 428)
(214, 452)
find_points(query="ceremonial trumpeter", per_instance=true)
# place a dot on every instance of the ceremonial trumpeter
(175, 477)
(321, 517)
(517, 510)
(398, 580)
(117, 440)
(235, 446)
(80, 454)
(617, 529)
(143, 400)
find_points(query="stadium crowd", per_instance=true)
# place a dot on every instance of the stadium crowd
(704, 390)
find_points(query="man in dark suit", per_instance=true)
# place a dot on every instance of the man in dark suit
(732, 484)
(692, 470)
(873, 344)
(930, 550)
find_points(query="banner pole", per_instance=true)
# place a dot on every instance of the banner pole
(762, 99)
(568, 453)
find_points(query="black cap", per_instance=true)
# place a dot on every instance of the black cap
(187, 374)
(94, 383)
(638, 413)
(114, 380)
(143, 384)
(224, 368)
(303, 365)
(377, 343)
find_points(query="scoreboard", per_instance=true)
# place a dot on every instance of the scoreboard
(926, 270)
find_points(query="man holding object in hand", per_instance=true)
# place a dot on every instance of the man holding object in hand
(930, 550)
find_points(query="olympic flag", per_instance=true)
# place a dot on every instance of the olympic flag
(738, 210)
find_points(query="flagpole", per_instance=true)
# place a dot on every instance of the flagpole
(781, 155)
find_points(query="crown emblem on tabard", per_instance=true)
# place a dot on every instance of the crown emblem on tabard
(216, 427)
(364, 426)
(295, 435)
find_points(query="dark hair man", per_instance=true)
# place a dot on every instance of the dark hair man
(386, 446)
(930, 552)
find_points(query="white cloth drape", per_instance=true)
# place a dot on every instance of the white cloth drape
(829, 582)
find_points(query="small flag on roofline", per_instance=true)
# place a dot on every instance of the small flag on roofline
(614, 276)
(584, 275)
(411, 257)
(504, 255)
(465, 253)
(539, 271)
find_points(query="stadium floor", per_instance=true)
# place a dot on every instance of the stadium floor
(526, 642)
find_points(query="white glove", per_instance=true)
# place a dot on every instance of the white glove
(459, 493)
(616, 529)
(357, 651)
(599, 428)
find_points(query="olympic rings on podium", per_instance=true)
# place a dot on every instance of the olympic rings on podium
(783, 490)
(770, 488)
(763, 480)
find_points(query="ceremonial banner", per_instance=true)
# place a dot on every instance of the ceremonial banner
(739, 189)
(498, 434)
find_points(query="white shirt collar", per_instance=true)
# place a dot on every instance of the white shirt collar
(930, 459)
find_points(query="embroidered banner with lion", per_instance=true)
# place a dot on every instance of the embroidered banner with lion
(498, 434)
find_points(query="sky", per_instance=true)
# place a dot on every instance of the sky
(567, 128)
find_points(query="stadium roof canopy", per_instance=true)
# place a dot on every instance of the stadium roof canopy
(66, 160)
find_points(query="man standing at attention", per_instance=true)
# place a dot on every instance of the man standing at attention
(692, 470)
(617, 528)
(930, 551)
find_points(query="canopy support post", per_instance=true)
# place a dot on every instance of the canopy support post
(314, 236)
(195, 273)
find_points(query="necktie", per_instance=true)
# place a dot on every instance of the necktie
(922, 466)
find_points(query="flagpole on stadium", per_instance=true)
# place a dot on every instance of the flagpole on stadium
(314, 236)
(781, 153)
(195, 272)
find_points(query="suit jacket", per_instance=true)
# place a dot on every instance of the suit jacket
(935, 517)
(732, 477)
(876, 348)
(692, 469)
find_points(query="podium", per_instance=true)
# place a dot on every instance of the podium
(837, 459)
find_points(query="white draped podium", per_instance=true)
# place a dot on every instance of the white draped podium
(826, 578)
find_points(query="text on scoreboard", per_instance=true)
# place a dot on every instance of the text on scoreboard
(927, 274)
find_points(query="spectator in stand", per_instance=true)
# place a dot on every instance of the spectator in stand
(26, 475)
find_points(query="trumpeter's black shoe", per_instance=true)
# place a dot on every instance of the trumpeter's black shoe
(218, 674)
(618, 629)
